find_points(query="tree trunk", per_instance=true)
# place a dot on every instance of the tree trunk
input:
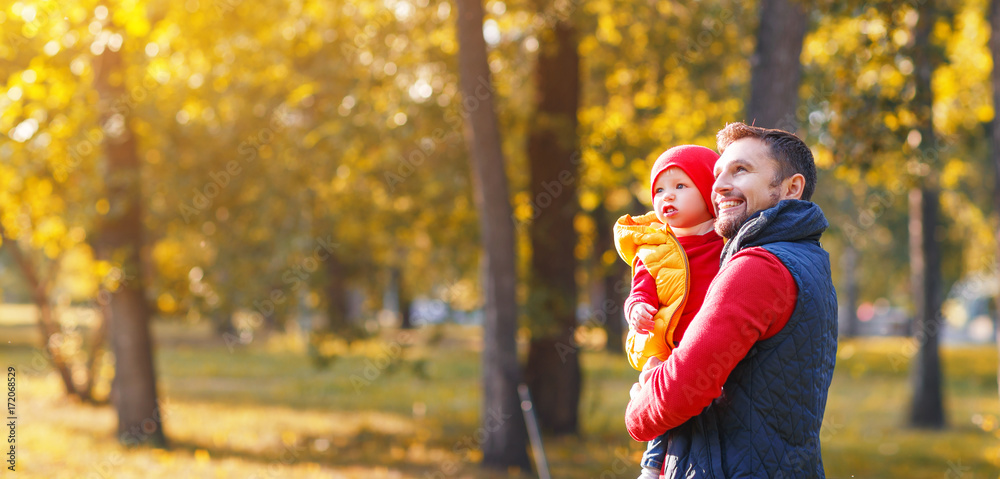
(616, 287)
(97, 339)
(849, 266)
(222, 322)
(553, 370)
(610, 279)
(505, 442)
(403, 299)
(926, 409)
(995, 51)
(336, 300)
(222, 314)
(47, 325)
(775, 66)
(119, 241)
(405, 314)
(49, 328)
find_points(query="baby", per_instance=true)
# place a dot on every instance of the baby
(674, 253)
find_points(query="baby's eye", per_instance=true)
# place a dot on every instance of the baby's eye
(681, 185)
(659, 190)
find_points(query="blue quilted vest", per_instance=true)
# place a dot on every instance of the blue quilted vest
(766, 423)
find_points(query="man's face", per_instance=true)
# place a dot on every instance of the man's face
(744, 184)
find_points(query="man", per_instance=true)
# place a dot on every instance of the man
(743, 394)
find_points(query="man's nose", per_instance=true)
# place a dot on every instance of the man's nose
(721, 185)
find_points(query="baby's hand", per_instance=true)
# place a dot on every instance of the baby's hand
(641, 317)
(647, 370)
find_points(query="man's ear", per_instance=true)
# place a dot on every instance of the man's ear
(792, 187)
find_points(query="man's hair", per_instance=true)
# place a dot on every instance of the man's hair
(791, 153)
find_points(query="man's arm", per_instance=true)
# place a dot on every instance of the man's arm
(751, 299)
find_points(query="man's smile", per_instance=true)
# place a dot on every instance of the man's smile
(728, 204)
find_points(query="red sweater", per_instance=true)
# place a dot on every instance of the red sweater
(750, 300)
(703, 254)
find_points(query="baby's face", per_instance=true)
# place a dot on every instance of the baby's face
(677, 202)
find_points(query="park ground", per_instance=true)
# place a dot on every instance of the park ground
(405, 404)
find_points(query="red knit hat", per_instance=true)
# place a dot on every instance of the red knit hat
(697, 161)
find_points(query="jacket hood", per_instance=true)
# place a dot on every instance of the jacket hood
(631, 232)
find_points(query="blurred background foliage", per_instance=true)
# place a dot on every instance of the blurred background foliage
(265, 127)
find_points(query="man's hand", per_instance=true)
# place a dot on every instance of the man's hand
(640, 317)
(647, 370)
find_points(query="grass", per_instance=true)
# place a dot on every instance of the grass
(397, 406)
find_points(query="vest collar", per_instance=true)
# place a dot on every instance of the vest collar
(789, 220)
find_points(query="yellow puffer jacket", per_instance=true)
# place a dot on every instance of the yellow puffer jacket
(646, 239)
